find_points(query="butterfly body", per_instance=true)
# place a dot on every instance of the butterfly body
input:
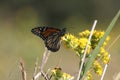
(51, 36)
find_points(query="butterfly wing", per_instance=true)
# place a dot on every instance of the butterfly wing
(44, 32)
(53, 42)
(51, 36)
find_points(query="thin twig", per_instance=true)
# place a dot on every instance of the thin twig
(113, 42)
(117, 77)
(36, 77)
(48, 71)
(83, 59)
(35, 68)
(24, 75)
(45, 76)
(104, 71)
(44, 60)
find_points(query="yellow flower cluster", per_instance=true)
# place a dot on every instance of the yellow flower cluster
(78, 44)
(89, 76)
(97, 68)
(106, 58)
(67, 76)
(97, 35)
(59, 75)
(103, 55)
(85, 33)
(70, 40)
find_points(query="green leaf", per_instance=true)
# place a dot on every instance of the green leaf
(97, 49)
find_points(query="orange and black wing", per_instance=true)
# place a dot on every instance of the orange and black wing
(44, 32)
(53, 41)
(51, 36)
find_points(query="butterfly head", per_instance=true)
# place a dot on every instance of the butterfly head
(36, 31)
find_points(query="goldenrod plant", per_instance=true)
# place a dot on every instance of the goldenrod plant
(89, 46)
(58, 74)
(78, 45)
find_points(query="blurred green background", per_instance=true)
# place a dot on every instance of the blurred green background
(18, 17)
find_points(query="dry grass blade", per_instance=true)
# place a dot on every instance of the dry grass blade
(24, 75)
(35, 68)
(44, 60)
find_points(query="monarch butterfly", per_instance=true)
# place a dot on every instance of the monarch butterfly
(51, 36)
